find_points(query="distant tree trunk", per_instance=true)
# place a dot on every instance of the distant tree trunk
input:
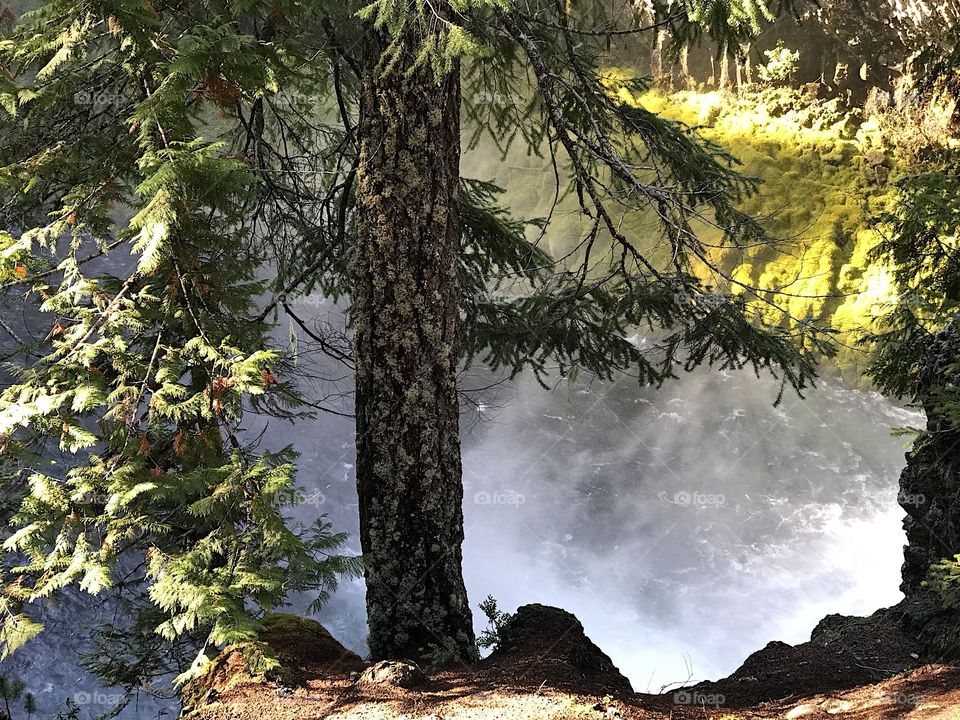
(725, 71)
(744, 68)
(406, 324)
(685, 67)
(656, 58)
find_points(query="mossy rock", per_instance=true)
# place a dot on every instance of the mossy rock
(814, 181)
(840, 154)
(772, 150)
(236, 665)
(300, 641)
(547, 644)
(289, 648)
(399, 673)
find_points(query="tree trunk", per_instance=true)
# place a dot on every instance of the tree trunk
(656, 58)
(745, 68)
(724, 82)
(688, 81)
(406, 324)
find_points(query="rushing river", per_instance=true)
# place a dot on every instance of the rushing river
(686, 527)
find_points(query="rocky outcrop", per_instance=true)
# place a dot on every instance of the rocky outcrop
(930, 484)
(289, 650)
(843, 652)
(398, 673)
(544, 645)
(930, 495)
(546, 667)
(301, 643)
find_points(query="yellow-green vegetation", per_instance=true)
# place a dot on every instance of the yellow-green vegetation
(825, 172)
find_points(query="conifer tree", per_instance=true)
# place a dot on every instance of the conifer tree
(205, 146)
(538, 69)
(145, 378)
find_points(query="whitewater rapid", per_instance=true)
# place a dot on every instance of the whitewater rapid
(688, 526)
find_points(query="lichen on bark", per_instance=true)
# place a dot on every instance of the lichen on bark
(406, 324)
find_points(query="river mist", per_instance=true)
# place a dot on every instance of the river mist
(685, 526)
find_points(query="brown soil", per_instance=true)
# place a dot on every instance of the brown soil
(548, 669)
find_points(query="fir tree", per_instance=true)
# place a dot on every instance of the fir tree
(145, 378)
(537, 68)
(13, 694)
(319, 144)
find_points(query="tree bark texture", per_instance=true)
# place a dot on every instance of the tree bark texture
(406, 323)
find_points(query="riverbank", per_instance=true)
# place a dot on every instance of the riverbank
(548, 669)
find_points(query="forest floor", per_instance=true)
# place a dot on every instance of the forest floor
(852, 669)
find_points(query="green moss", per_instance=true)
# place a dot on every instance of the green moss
(285, 646)
(235, 665)
(295, 624)
(819, 189)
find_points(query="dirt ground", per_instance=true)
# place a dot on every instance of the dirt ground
(547, 669)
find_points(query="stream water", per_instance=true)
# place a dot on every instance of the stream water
(686, 527)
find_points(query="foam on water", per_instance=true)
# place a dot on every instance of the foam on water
(689, 526)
